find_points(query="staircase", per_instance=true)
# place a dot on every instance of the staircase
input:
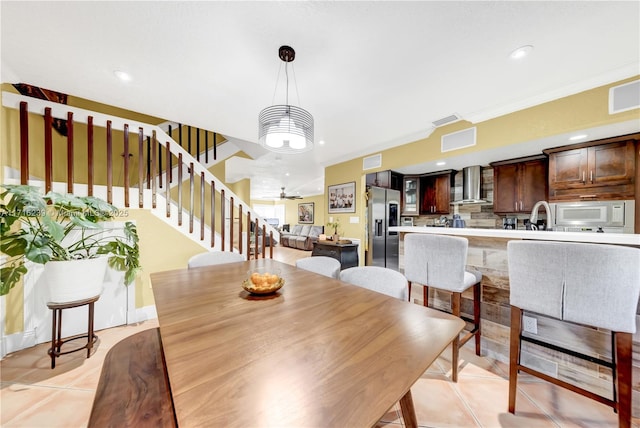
(158, 173)
(131, 165)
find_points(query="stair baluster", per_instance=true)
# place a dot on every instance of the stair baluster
(140, 167)
(126, 165)
(24, 143)
(191, 197)
(202, 184)
(48, 150)
(180, 166)
(90, 167)
(70, 152)
(222, 218)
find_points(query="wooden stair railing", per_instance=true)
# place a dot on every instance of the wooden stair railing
(198, 153)
(219, 195)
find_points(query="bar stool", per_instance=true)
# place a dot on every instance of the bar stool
(587, 284)
(56, 328)
(439, 261)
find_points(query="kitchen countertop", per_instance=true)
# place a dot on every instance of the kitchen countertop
(594, 238)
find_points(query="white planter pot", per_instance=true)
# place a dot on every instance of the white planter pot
(73, 280)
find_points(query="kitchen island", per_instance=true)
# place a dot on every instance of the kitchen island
(488, 254)
(632, 240)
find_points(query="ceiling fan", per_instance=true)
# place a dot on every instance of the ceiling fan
(283, 195)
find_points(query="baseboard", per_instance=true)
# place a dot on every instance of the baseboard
(142, 314)
(16, 342)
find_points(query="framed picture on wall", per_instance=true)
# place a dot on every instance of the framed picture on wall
(342, 198)
(305, 213)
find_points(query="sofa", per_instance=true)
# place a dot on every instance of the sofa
(302, 236)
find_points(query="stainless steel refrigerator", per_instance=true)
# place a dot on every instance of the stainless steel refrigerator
(383, 211)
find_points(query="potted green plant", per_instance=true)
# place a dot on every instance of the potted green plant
(335, 225)
(62, 232)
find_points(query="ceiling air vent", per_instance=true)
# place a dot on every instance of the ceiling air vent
(371, 162)
(458, 140)
(624, 97)
(446, 120)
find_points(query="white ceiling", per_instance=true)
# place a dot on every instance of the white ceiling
(373, 74)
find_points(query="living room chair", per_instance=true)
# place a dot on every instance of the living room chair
(214, 258)
(323, 265)
(375, 278)
(592, 285)
(439, 261)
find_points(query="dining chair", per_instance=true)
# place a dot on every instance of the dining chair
(588, 284)
(383, 280)
(214, 258)
(439, 261)
(327, 266)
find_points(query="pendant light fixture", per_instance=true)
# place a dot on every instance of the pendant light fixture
(286, 128)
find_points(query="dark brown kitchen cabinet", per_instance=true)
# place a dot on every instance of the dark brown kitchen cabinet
(518, 184)
(410, 195)
(435, 193)
(386, 179)
(603, 169)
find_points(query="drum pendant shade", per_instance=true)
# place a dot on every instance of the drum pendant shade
(286, 128)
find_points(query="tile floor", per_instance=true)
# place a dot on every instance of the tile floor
(33, 395)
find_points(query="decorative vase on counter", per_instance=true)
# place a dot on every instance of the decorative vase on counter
(457, 221)
(336, 237)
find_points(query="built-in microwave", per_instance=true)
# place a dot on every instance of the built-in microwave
(595, 216)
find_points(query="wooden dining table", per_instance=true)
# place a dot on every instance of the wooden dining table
(317, 353)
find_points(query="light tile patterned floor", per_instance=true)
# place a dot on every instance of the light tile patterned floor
(33, 395)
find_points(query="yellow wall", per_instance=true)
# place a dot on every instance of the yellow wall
(319, 208)
(576, 112)
(161, 248)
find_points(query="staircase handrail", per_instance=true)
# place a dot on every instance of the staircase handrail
(60, 111)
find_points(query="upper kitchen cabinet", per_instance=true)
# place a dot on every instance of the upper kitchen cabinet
(603, 169)
(386, 179)
(518, 184)
(410, 193)
(435, 192)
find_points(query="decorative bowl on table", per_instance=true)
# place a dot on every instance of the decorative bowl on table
(263, 281)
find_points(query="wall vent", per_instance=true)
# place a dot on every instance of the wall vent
(446, 120)
(458, 140)
(624, 97)
(371, 162)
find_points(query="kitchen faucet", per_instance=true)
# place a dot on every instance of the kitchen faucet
(533, 220)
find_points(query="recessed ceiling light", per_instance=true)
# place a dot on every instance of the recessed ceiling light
(521, 52)
(286, 173)
(321, 142)
(578, 137)
(441, 163)
(122, 75)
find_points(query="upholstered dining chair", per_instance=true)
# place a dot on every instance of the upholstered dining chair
(382, 280)
(214, 258)
(439, 261)
(588, 284)
(327, 266)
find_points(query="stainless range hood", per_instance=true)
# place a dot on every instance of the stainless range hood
(471, 186)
